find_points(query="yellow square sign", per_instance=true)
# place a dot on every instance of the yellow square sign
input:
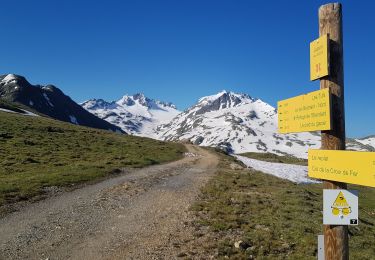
(319, 58)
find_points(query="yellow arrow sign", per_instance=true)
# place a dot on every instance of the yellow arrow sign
(319, 58)
(342, 166)
(310, 112)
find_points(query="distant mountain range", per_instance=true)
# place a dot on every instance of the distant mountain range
(50, 101)
(135, 114)
(233, 122)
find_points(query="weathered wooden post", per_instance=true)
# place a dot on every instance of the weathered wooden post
(330, 22)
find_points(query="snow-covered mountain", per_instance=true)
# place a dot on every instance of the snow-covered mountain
(370, 140)
(135, 114)
(237, 123)
(234, 122)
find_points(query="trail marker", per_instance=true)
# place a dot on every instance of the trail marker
(342, 166)
(319, 57)
(340, 207)
(309, 112)
(336, 239)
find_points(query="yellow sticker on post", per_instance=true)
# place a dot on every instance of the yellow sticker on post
(342, 166)
(319, 58)
(309, 112)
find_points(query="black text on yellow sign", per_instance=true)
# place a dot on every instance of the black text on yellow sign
(310, 112)
(319, 58)
(342, 166)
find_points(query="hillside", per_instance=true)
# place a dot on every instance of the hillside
(49, 101)
(38, 153)
(236, 123)
(246, 214)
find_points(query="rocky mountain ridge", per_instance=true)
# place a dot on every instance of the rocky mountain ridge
(49, 101)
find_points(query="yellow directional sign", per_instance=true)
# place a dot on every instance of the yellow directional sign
(310, 112)
(342, 166)
(319, 58)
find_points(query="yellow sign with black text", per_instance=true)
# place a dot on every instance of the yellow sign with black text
(309, 112)
(342, 166)
(319, 58)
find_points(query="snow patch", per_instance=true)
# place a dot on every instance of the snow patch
(27, 113)
(367, 141)
(73, 119)
(31, 103)
(10, 78)
(48, 100)
(188, 154)
(291, 172)
(8, 111)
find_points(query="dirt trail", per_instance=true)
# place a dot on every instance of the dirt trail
(138, 215)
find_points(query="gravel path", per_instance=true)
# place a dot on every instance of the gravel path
(142, 214)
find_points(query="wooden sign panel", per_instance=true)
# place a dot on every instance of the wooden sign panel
(319, 58)
(342, 166)
(310, 112)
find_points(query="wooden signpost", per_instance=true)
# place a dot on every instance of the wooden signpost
(336, 242)
(336, 168)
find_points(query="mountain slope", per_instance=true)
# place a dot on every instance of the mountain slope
(234, 122)
(39, 152)
(239, 123)
(48, 100)
(135, 114)
(367, 141)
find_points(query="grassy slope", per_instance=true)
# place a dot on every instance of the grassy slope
(38, 152)
(10, 106)
(277, 218)
(270, 157)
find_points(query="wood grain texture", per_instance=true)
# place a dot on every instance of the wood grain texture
(330, 22)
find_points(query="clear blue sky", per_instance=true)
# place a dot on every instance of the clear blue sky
(180, 50)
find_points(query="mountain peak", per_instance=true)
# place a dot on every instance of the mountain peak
(224, 94)
(8, 78)
(222, 100)
(94, 104)
(50, 101)
(141, 99)
(136, 114)
(13, 79)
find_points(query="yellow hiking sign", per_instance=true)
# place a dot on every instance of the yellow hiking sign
(340, 207)
(340, 201)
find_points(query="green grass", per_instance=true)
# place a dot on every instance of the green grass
(38, 152)
(270, 157)
(10, 106)
(277, 218)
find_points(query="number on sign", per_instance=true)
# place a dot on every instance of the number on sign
(317, 67)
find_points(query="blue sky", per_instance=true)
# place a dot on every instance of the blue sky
(181, 50)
